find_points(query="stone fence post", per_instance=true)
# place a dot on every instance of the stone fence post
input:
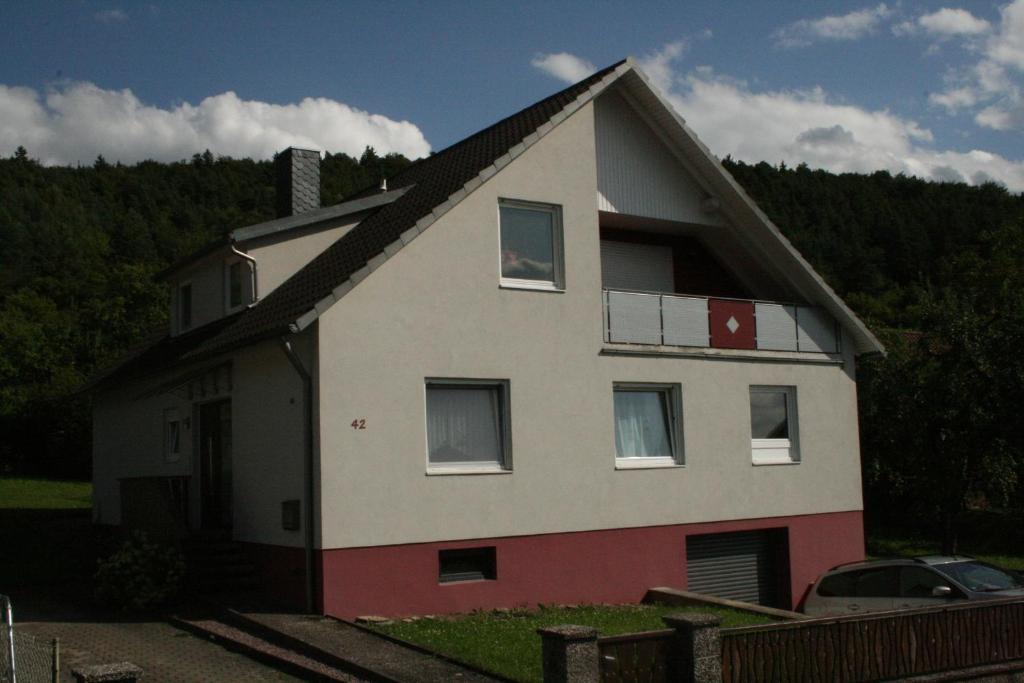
(697, 647)
(570, 654)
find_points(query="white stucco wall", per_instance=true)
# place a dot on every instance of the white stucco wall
(128, 442)
(278, 257)
(267, 447)
(436, 310)
(267, 426)
(207, 279)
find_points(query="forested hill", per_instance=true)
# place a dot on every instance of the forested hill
(79, 247)
(883, 242)
(78, 251)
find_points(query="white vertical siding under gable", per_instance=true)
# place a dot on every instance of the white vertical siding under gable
(636, 172)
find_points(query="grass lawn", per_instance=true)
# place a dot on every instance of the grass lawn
(35, 494)
(507, 643)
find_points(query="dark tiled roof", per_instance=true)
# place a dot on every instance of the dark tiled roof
(433, 180)
(430, 180)
(161, 350)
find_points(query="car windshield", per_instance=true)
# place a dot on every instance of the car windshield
(980, 577)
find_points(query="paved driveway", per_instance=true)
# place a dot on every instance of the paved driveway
(165, 653)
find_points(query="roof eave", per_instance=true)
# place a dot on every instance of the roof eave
(283, 225)
(488, 172)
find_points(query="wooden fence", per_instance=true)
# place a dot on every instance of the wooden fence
(876, 646)
(635, 657)
(850, 649)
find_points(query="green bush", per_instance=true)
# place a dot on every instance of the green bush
(140, 576)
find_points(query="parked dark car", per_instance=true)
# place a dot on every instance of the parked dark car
(880, 585)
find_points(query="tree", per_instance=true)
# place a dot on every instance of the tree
(939, 414)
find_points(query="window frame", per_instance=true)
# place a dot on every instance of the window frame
(172, 416)
(503, 387)
(557, 283)
(229, 265)
(776, 451)
(179, 309)
(674, 392)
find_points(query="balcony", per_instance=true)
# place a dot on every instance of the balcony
(633, 317)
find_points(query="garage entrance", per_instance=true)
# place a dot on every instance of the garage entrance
(752, 566)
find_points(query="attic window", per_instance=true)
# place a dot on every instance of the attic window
(235, 285)
(185, 306)
(172, 435)
(531, 245)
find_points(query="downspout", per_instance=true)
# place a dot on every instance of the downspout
(307, 469)
(252, 270)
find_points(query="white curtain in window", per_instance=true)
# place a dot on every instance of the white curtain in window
(464, 424)
(642, 424)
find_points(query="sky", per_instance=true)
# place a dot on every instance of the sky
(931, 89)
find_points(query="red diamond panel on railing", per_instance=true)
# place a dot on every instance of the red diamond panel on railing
(732, 324)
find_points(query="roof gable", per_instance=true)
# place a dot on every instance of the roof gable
(437, 183)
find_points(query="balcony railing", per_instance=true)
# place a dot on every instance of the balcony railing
(708, 322)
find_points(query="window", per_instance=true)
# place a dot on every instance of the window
(234, 288)
(773, 426)
(882, 582)
(531, 245)
(920, 582)
(467, 564)
(172, 435)
(467, 426)
(185, 306)
(647, 420)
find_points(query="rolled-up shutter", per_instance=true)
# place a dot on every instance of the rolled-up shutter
(738, 566)
(641, 267)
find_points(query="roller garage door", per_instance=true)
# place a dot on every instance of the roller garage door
(751, 566)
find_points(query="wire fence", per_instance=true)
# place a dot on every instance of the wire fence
(34, 660)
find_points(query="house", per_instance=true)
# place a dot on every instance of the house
(563, 360)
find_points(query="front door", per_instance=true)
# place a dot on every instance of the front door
(215, 463)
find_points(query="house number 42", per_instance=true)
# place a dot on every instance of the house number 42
(359, 424)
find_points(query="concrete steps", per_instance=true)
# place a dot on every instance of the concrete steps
(265, 651)
(325, 649)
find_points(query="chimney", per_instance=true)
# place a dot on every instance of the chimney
(298, 181)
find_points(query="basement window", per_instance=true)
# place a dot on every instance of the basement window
(467, 564)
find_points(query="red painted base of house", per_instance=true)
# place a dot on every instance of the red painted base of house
(614, 566)
(281, 572)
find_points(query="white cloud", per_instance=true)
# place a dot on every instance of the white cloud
(79, 121)
(111, 16)
(850, 26)
(807, 126)
(992, 85)
(1007, 45)
(658, 64)
(953, 22)
(564, 66)
(955, 98)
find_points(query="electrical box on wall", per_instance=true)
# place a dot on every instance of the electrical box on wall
(290, 515)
